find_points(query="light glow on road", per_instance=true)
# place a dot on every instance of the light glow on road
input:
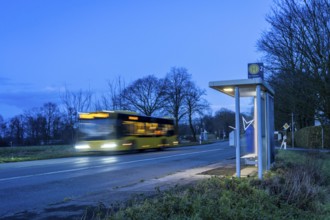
(109, 160)
(82, 160)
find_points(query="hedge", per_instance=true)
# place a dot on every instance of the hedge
(311, 137)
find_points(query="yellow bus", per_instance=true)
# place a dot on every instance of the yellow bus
(122, 130)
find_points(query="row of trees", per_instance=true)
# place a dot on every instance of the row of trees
(297, 55)
(44, 125)
(176, 96)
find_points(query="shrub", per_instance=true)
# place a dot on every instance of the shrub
(310, 137)
(302, 185)
(215, 198)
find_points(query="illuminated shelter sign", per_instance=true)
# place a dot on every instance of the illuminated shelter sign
(255, 70)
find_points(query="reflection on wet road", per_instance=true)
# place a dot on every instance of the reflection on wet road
(35, 184)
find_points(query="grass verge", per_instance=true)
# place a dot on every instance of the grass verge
(297, 187)
(17, 154)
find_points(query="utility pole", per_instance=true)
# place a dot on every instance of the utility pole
(322, 136)
(292, 130)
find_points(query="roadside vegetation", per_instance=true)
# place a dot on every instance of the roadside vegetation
(17, 154)
(297, 187)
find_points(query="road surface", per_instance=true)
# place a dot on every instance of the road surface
(47, 188)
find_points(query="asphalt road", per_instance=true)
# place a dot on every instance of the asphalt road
(47, 188)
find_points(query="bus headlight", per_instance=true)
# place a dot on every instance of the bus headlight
(82, 146)
(109, 146)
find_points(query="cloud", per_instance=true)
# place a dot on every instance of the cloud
(53, 89)
(4, 80)
(15, 97)
(9, 83)
(28, 98)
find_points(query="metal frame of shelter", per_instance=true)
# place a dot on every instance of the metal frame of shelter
(264, 118)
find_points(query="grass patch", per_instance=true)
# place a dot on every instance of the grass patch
(297, 187)
(16, 154)
(215, 198)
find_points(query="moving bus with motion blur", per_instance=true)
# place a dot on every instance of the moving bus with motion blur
(122, 130)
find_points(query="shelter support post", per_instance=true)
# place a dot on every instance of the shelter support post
(259, 131)
(237, 132)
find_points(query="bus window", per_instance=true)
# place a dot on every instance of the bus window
(139, 128)
(151, 128)
(133, 128)
(127, 128)
(99, 129)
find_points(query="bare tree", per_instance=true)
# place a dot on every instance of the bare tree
(16, 130)
(42, 125)
(51, 113)
(195, 104)
(223, 119)
(34, 126)
(3, 131)
(111, 99)
(297, 52)
(79, 101)
(177, 81)
(145, 95)
(73, 103)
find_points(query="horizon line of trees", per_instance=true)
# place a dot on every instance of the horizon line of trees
(176, 96)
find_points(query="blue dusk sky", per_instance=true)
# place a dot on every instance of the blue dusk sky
(48, 45)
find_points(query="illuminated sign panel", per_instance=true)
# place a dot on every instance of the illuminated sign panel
(93, 115)
(256, 70)
(134, 118)
(85, 116)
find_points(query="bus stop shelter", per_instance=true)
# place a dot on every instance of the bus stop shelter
(263, 96)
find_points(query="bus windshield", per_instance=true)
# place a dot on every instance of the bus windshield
(100, 129)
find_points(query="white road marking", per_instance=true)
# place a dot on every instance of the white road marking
(99, 166)
(43, 174)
